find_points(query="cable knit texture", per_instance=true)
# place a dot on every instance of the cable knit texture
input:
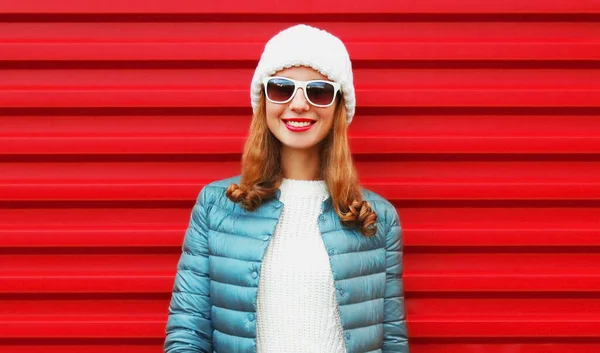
(297, 309)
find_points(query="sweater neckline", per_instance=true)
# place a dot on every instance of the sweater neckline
(307, 188)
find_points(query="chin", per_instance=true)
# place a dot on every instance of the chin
(299, 146)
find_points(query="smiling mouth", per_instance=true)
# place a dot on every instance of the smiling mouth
(298, 122)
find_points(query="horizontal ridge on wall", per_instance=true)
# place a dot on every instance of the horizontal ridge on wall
(275, 7)
(225, 135)
(379, 42)
(84, 229)
(375, 88)
(397, 180)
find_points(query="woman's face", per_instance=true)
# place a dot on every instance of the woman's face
(299, 107)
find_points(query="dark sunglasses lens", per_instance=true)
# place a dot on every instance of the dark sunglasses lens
(320, 93)
(279, 89)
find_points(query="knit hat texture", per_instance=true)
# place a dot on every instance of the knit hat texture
(304, 45)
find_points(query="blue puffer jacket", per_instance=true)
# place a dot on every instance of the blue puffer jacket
(213, 305)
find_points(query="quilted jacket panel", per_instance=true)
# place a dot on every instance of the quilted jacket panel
(213, 304)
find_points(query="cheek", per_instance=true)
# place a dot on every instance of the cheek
(273, 110)
(328, 118)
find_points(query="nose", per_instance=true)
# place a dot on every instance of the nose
(299, 102)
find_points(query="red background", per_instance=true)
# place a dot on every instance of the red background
(477, 119)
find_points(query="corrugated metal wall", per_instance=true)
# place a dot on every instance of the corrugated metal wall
(478, 119)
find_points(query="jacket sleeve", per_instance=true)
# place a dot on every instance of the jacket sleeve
(189, 326)
(395, 335)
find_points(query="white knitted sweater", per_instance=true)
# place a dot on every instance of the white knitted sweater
(297, 310)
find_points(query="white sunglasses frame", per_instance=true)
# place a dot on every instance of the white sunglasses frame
(302, 84)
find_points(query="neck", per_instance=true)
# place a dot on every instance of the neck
(300, 164)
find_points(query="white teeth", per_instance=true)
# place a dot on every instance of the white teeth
(297, 124)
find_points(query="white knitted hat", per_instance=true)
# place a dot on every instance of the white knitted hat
(303, 45)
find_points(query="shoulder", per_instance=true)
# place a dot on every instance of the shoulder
(386, 212)
(214, 191)
(388, 219)
(222, 184)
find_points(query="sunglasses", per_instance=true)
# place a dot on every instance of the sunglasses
(319, 93)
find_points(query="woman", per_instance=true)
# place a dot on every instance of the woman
(292, 255)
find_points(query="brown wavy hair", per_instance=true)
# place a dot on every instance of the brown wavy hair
(262, 173)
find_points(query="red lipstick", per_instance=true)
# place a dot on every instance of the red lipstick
(298, 120)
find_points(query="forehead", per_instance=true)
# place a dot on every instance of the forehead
(301, 73)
